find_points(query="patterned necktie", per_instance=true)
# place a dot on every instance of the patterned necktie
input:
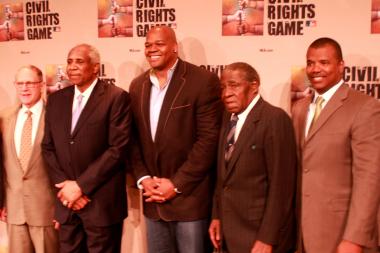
(230, 140)
(26, 141)
(318, 108)
(77, 112)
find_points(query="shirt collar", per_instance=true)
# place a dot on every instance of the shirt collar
(35, 109)
(328, 94)
(153, 78)
(87, 92)
(245, 113)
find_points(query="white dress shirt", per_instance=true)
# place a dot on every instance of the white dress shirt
(326, 97)
(243, 116)
(21, 118)
(86, 95)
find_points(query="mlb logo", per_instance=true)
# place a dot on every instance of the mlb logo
(311, 23)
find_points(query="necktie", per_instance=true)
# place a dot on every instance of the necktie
(230, 140)
(26, 141)
(318, 108)
(77, 112)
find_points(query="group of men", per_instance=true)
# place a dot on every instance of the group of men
(243, 176)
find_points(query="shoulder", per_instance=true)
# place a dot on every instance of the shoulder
(9, 111)
(355, 96)
(273, 115)
(60, 93)
(113, 89)
(136, 82)
(272, 111)
(192, 69)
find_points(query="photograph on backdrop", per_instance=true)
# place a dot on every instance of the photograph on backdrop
(375, 16)
(242, 17)
(11, 21)
(56, 78)
(115, 18)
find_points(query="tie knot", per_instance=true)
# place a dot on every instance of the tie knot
(28, 113)
(319, 101)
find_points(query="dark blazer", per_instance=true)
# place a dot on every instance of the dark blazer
(254, 198)
(184, 149)
(93, 154)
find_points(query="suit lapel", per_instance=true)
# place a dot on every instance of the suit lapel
(245, 134)
(37, 141)
(334, 103)
(222, 144)
(90, 106)
(67, 107)
(176, 84)
(145, 104)
(302, 120)
(11, 124)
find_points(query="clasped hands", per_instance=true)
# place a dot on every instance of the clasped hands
(158, 189)
(71, 195)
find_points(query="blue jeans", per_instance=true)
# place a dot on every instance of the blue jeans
(176, 236)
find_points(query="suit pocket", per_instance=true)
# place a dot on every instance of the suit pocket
(180, 107)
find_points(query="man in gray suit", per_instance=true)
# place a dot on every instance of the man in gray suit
(29, 200)
(253, 200)
(337, 132)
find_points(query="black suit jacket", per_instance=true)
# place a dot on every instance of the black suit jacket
(93, 154)
(254, 198)
(184, 149)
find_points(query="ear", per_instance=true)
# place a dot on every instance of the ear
(96, 68)
(341, 67)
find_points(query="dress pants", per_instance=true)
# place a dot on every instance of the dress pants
(32, 239)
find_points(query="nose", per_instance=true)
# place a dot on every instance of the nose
(226, 92)
(71, 66)
(315, 68)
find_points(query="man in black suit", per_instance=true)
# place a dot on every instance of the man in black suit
(253, 202)
(176, 109)
(86, 133)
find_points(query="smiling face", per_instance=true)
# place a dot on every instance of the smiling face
(28, 86)
(237, 92)
(81, 69)
(324, 68)
(161, 48)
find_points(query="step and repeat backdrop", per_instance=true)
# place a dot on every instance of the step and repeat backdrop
(271, 35)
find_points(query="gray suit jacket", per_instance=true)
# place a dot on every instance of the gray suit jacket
(29, 196)
(339, 171)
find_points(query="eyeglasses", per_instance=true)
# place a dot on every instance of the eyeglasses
(27, 84)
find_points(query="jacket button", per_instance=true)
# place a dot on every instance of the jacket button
(71, 142)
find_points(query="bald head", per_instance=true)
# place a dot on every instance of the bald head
(166, 31)
(161, 49)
